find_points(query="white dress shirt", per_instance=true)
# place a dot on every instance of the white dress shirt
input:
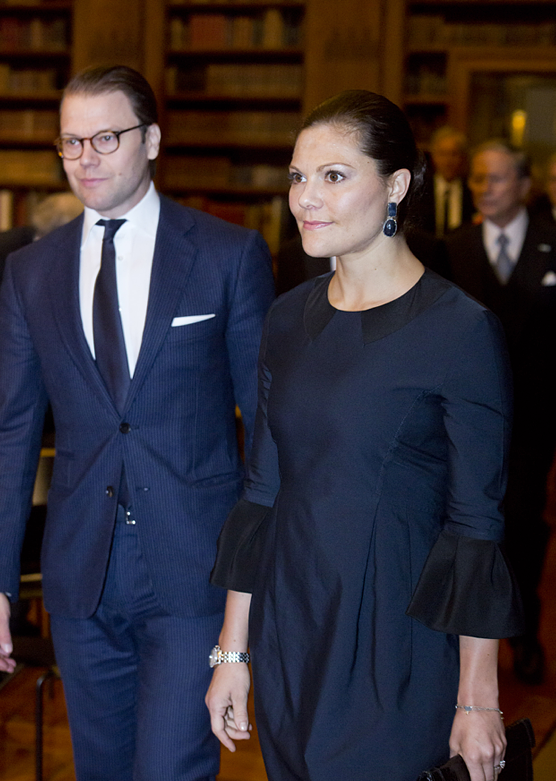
(515, 232)
(455, 202)
(134, 243)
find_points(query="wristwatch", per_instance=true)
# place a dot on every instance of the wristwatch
(218, 656)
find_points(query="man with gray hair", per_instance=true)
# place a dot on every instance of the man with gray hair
(509, 263)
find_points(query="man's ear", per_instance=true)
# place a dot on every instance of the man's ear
(152, 141)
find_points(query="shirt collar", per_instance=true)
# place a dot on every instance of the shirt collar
(143, 216)
(514, 230)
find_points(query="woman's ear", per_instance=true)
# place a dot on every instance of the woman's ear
(398, 185)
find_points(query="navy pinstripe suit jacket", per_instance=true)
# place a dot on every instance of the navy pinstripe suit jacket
(180, 452)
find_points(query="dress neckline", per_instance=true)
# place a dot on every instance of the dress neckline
(379, 321)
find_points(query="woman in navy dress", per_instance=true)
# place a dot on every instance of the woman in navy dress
(364, 561)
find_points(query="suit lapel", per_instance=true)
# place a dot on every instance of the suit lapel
(532, 263)
(172, 262)
(64, 295)
(475, 273)
(526, 281)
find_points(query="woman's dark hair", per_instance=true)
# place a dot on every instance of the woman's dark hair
(117, 78)
(384, 135)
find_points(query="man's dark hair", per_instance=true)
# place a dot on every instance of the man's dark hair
(117, 78)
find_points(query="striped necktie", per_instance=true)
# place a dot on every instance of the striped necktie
(503, 264)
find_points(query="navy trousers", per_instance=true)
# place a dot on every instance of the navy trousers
(135, 678)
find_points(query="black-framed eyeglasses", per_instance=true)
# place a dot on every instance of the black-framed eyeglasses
(105, 142)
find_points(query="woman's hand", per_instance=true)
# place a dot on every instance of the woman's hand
(227, 702)
(480, 739)
(478, 735)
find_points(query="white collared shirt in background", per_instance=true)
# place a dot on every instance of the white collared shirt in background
(514, 230)
(134, 243)
(455, 202)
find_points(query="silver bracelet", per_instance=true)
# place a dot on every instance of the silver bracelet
(469, 708)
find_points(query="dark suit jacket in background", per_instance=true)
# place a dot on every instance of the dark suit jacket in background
(177, 434)
(427, 208)
(11, 240)
(526, 305)
(527, 308)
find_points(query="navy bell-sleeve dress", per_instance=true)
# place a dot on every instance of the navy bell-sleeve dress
(370, 528)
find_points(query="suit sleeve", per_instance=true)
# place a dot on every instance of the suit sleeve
(252, 295)
(23, 403)
(467, 586)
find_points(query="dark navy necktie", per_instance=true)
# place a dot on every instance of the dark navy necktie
(110, 351)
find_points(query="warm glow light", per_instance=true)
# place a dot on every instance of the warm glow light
(519, 122)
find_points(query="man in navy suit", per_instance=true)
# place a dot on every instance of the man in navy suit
(509, 263)
(146, 464)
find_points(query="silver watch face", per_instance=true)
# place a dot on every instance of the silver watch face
(214, 656)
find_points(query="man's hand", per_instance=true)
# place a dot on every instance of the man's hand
(7, 664)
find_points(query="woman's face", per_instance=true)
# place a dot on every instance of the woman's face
(336, 195)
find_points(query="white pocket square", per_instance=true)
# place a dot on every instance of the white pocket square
(189, 319)
(549, 279)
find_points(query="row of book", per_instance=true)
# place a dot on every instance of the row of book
(36, 34)
(17, 81)
(220, 173)
(269, 29)
(230, 80)
(232, 3)
(29, 125)
(269, 217)
(29, 168)
(6, 209)
(245, 128)
(426, 80)
(424, 123)
(432, 30)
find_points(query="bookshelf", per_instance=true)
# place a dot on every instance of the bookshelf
(35, 63)
(446, 40)
(232, 101)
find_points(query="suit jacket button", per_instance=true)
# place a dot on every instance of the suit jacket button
(109, 491)
(125, 428)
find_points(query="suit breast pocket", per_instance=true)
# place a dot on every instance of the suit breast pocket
(191, 327)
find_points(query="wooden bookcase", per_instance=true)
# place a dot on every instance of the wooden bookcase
(447, 40)
(35, 62)
(232, 99)
(236, 78)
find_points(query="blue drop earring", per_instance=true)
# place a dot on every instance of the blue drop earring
(390, 227)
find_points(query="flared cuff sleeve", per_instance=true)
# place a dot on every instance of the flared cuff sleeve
(239, 547)
(467, 587)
